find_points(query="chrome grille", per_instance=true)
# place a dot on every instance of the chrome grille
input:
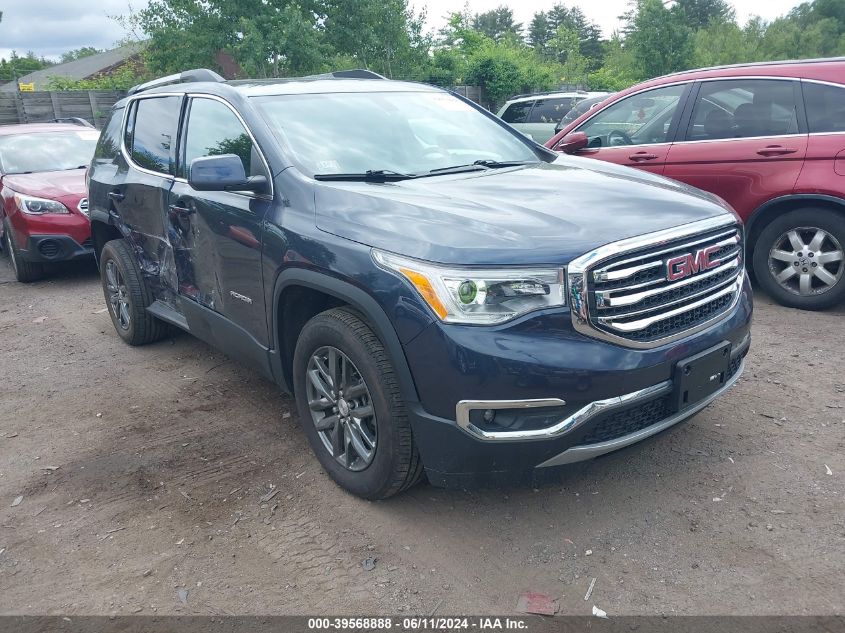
(83, 207)
(651, 290)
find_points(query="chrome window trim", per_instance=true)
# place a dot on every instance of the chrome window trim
(743, 138)
(620, 99)
(589, 451)
(127, 156)
(197, 95)
(579, 269)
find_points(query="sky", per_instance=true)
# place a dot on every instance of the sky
(51, 27)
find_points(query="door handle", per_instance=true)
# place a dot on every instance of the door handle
(641, 156)
(116, 196)
(180, 209)
(776, 150)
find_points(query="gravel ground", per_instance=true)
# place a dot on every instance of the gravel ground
(167, 479)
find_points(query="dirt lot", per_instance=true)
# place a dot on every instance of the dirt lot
(142, 472)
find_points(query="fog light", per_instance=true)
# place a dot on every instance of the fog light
(489, 416)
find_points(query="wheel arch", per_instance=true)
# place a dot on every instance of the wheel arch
(767, 212)
(101, 233)
(299, 294)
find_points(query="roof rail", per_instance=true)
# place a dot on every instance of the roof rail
(544, 93)
(75, 120)
(777, 62)
(188, 76)
(354, 73)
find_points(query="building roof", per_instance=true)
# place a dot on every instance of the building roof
(77, 69)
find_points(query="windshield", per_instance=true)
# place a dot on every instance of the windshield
(403, 132)
(47, 151)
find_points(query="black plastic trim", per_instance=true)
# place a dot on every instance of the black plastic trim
(809, 197)
(358, 299)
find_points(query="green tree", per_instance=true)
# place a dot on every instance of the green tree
(699, 14)
(618, 70)
(566, 47)
(658, 38)
(497, 23)
(539, 31)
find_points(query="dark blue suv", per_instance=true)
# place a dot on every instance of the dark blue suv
(441, 294)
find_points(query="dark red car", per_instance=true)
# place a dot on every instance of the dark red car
(44, 208)
(768, 138)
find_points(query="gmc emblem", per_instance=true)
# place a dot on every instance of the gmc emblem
(689, 264)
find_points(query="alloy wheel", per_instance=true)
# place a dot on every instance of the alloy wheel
(118, 295)
(341, 408)
(807, 261)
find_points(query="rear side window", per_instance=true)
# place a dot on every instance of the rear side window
(551, 110)
(743, 108)
(213, 129)
(825, 107)
(153, 133)
(109, 143)
(517, 112)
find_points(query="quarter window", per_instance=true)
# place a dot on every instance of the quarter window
(641, 119)
(213, 129)
(825, 107)
(743, 108)
(154, 132)
(517, 112)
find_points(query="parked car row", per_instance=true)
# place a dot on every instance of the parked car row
(767, 138)
(44, 200)
(538, 115)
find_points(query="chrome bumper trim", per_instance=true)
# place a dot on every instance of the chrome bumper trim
(567, 425)
(583, 453)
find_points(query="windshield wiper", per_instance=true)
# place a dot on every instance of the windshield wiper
(503, 163)
(478, 165)
(371, 175)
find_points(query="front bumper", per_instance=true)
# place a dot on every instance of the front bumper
(613, 396)
(56, 248)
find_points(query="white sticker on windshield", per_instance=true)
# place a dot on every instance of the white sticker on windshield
(89, 135)
(448, 102)
(330, 166)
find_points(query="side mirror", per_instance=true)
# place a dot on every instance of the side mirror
(223, 173)
(572, 142)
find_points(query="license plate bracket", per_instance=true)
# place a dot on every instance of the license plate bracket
(700, 376)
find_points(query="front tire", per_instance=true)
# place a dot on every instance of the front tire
(127, 295)
(25, 272)
(350, 406)
(799, 259)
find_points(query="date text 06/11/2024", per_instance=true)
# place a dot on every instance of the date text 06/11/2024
(418, 623)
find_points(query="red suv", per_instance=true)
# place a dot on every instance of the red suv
(43, 199)
(768, 138)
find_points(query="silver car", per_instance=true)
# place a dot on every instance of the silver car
(537, 115)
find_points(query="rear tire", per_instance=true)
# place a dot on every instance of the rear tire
(25, 272)
(799, 259)
(371, 454)
(127, 295)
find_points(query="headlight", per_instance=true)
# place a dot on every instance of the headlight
(38, 206)
(478, 295)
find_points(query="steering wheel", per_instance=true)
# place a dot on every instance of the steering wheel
(615, 136)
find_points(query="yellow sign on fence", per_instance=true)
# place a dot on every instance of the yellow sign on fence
(27, 87)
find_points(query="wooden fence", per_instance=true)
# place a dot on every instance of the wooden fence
(35, 107)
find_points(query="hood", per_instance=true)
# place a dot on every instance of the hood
(544, 214)
(55, 185)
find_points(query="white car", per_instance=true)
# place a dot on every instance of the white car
(537, 115)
